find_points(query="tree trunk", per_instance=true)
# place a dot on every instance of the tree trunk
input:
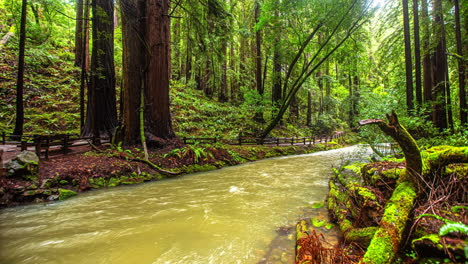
(158, 121)
(276, 93)
(134, 66)
(188, 56)
(427, 65)
(417, 53)
(176, 63)
(309, 108)
(319, 79)
(408, 62)
(462, 65)
(19, 122)
(234, 83)
(351, 102)
(222, 96)
(79, 33)
(440, 82)
(258, 65)
(101, 118)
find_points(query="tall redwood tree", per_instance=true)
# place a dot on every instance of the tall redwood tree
(146, 60)
(101, 118)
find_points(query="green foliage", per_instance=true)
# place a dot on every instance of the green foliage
(453, 227)
(195, 152)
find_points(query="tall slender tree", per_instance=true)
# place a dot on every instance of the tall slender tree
(440, 68)
(408, 61)
(427, 64)
(417, 53)
(258, 63)
(19, 122)
(79, 33)
(462, 66)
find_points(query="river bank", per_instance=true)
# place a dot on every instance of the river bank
(64, 176)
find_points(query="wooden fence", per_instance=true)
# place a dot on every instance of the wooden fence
(44, 143)
(278, 141)
(63, 142)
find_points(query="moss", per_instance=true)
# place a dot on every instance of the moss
(113, 182)
(317, 205)
(63, 182)
(434, 238)
(301, 229)
(355, 167)
(65, 194)
(436, 156)
(386, 240)
(318, 223)
(362, 236)
(98, 182)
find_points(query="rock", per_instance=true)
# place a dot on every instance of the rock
(28, 157)
(65, 194)
(53, 197)
(25, 165)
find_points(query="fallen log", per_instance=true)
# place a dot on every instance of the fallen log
(387, 239)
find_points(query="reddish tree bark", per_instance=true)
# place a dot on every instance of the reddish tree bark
(134, 67)
(101, 118)
(158, 121)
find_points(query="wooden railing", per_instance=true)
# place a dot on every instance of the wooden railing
(43, 143)
(278, 141)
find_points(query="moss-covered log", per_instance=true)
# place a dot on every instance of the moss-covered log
(339, 205)
(386, 241)
(437, 158)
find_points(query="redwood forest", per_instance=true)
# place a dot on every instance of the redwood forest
(234, 131)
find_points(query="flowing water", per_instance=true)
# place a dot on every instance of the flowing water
(225, 216)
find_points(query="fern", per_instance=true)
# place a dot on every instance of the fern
(449, 226)
(453, 227)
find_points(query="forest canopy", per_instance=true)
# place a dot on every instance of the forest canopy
(305, 67)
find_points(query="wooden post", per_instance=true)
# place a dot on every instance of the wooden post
(24, 145)
(47, 147)
(292, 141)
(277, 141)
(3, 138)
(65, 143)
(185, 140)
(1, 161)
(37, 145)
(240, 141)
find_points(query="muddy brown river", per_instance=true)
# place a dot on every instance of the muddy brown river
(230, 215)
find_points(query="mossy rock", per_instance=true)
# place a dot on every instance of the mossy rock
(65, 194)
